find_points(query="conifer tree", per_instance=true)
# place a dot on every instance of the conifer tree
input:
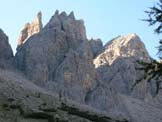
(153, 69)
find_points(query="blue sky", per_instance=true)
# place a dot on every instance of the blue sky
(103, 19)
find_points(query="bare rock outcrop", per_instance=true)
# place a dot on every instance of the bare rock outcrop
(6, 53)
(59, 58)
(122, 46)
(5, 48)
(30, 29)
(75, 29)
(117, 64)
(116, 70)
(96, 46)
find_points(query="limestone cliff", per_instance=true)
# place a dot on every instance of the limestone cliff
(122, 46)
(96, 47)
(59, 58)
(5, 48)
(116, 70)
(116, 64)
(30, 29)
(59, 75)
(6, 53)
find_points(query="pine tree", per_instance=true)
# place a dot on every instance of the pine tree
(153, 70)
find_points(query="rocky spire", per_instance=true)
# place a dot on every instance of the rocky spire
(5, 48)
(71, 15)
(30, 29)
(61, 54)
(67, 23)
(38, 20)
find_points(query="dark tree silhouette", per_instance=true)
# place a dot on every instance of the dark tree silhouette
(153, 69)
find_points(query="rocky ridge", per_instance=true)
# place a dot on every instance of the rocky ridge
(76, 79)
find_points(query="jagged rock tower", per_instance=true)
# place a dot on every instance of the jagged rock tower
(59, 57)
(30, 29)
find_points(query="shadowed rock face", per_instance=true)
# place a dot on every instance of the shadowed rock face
(96, 46)
(30, 29)
(5, 48)
(59, 57)
(6, 53)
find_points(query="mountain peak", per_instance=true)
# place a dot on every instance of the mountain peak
(30, 29)
(39, 16)
(67, 23)
(132, 35)
(123, 46)
(71, 15)
(5, 48)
